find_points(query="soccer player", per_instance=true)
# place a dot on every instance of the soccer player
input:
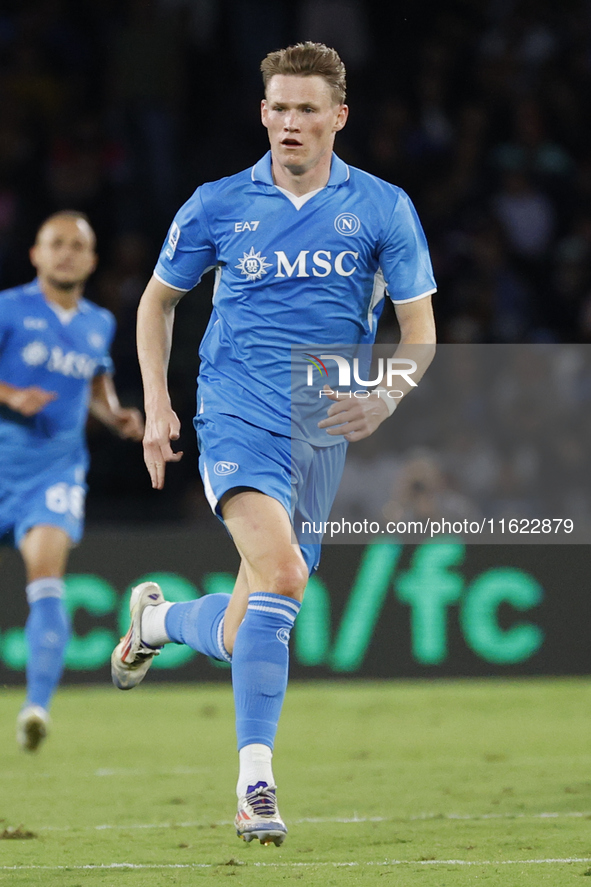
(54, 367)
(304, 247)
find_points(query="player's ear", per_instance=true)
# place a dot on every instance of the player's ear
(264, 112)
(342, 115)
(33, 255)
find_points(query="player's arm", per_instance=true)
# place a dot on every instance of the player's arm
(356, 419)
(154, 339)
(417, 342)
(104, 406)
(26, 401)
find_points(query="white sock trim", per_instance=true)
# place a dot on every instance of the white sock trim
(220, 641)
(153, 629)
(48, 586)
(255, 766)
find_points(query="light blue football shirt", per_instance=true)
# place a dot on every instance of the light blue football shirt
(290, 275)
(38, 348)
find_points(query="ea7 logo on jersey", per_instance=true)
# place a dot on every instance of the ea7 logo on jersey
(246, 226)
(34, 323)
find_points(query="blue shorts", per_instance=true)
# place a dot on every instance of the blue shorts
(54, 496)
(304, 478)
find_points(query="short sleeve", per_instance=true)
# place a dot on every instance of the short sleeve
(404, 254)
(188, 250)
(104, 363)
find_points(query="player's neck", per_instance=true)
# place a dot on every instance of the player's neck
(301, 183)
(65, 296)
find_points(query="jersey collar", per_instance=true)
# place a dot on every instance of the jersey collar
(261, 171)
(34, 288)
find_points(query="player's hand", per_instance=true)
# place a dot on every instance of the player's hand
(29, 401)
(353, 417)
(161, 428)
(129, 423)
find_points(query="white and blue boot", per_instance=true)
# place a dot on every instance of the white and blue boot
(131, 658)
(258, 816)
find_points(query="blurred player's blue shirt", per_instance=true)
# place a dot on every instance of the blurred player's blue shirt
(290, 276)
(38, 348)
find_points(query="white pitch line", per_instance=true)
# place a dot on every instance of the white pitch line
(177, 771)
(346, 820)
(569, 860)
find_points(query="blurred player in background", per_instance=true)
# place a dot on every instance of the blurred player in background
(54, 368)
(303, 246)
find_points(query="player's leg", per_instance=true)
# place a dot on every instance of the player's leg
(45, 550)
(207, 625)
(201, 624)
(236, 609)
(210, 623)
(276, 576)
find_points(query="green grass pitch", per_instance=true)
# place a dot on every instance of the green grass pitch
(437, 784)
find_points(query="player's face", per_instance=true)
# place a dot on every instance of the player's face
(64, 252)
(302, 119)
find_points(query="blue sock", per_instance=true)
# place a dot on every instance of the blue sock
(260, 664)
(200, 625)
(47, 632)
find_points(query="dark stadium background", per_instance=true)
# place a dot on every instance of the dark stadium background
(478, 108)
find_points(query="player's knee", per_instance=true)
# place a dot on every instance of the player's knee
(290, 578)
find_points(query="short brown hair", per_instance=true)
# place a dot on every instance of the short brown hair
(305, 60)
(65, 214)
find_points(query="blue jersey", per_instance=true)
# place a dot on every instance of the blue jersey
(290, 272)
(38, 348)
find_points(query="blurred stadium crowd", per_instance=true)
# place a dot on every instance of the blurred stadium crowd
(478, 108)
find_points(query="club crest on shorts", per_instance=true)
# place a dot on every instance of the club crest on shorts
(223, 468)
